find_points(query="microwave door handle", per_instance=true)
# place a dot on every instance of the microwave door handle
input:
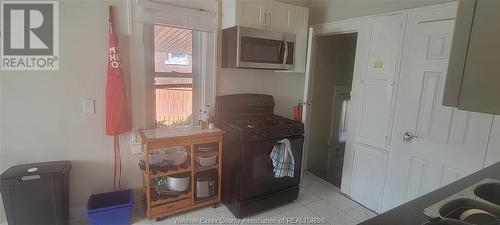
(285, 53)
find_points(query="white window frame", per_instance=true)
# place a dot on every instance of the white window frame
(145, 14)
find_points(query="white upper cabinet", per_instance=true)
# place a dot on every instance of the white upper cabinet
(280, 16)
(252, 14)
(300, 29)
(474, 72)
(260, 14)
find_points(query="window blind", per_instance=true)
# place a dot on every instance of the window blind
(164, 14)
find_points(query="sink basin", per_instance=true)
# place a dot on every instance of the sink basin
(489, 192)
(484, 195)
(454, 208)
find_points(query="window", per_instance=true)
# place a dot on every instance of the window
(173, 49)
(173, 61)
(177, 59)
(343, 121)
(173, 76)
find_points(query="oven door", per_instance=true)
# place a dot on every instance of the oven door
(257, 176)
(262, 49)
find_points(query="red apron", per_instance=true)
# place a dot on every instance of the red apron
(118, 119)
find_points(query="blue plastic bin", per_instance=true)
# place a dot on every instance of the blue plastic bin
(113, 208)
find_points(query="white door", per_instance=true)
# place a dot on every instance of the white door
(368, 176)
(252, 13)
(493, 153)
(448, 144)
(281, 16)
(378, 82)
(372, 114)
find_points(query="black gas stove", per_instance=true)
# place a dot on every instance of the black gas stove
(252, 130)
(262, 127)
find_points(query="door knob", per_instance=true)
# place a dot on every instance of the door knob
(408, 136)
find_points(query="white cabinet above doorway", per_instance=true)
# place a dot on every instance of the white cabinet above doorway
(261, 14)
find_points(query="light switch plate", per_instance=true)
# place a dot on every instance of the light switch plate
(88, 106)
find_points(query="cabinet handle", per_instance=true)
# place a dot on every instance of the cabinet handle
(265, 20)
(270, 19)
(285, 54)
(30, 177)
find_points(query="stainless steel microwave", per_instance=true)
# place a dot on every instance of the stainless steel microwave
(244, 47)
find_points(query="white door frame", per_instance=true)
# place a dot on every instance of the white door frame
(306, 102)
(341, 27)
(354, 25)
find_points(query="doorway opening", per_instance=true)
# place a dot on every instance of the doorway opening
(332, 81)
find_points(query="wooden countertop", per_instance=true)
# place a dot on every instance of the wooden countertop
(159, 134)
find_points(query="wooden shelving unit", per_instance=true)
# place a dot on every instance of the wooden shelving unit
(168, 173)
(206, 168)
(189, 137)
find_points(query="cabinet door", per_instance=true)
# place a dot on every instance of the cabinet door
(480, 91)
(377, 90)
(368, 176)
(252, 14)
(281, 16)
(301, 31)
(458, 54)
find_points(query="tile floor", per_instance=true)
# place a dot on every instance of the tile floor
(317, 199)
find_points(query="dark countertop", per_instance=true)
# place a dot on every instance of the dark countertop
(411, 213)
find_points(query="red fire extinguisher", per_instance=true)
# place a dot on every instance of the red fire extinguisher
(297, 112)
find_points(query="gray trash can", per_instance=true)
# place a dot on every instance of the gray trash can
(36, 194)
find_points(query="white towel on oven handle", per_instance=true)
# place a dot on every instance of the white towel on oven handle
(283, 161)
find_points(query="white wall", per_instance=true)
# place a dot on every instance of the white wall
(287, 88)
(41, 115)
(41, 111)
(333, 10)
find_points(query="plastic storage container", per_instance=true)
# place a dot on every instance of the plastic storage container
(36, 194)
(113, 208)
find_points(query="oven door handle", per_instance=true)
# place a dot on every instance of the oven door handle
(285, 53)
